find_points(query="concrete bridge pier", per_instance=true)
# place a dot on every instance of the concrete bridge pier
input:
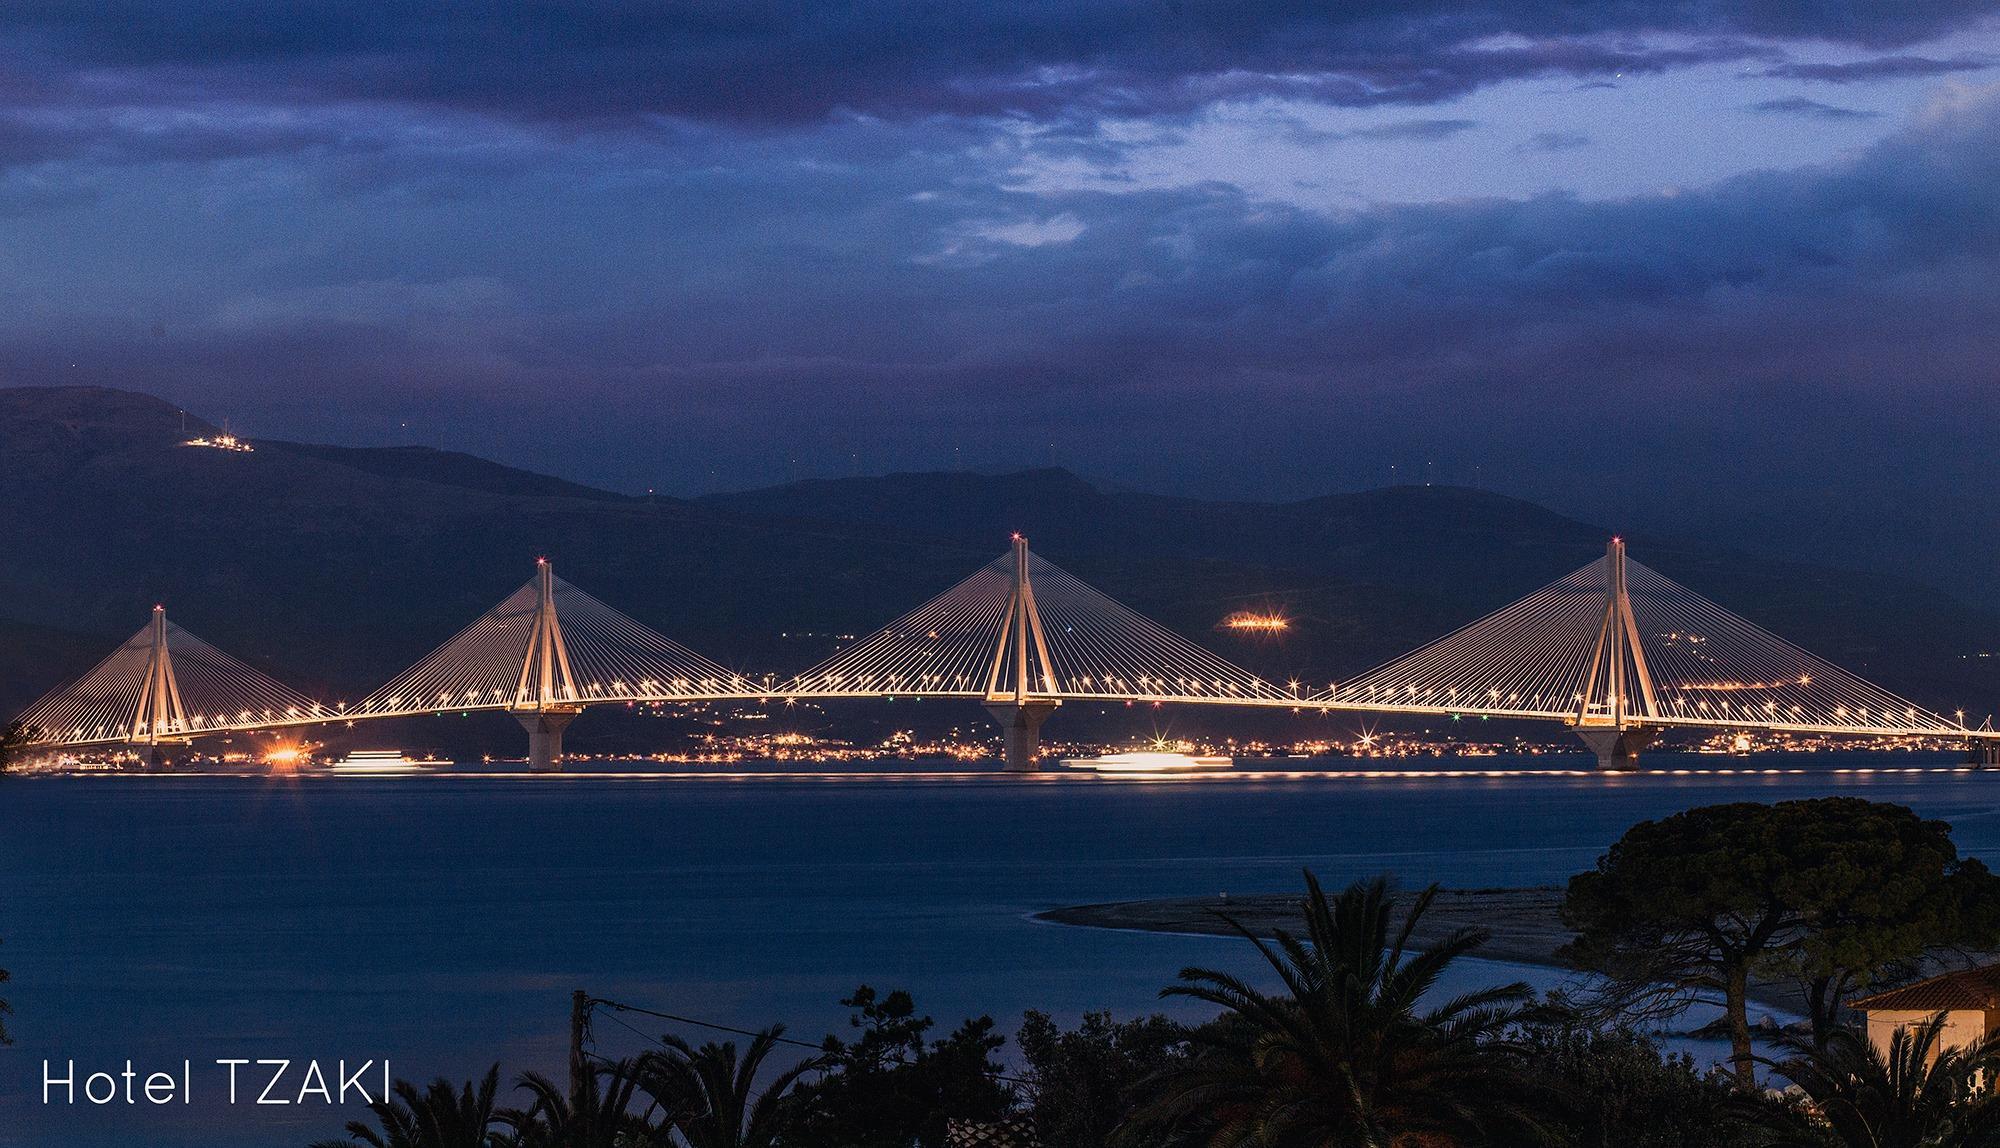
(1022, 724)
(1617, 749)
(1983, 754)
(157, 757)
(545, 734)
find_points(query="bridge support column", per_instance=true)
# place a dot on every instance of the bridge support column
(155, 756)
(1616, 749)
(1022, 724)
(1983, 754)
(545, 734)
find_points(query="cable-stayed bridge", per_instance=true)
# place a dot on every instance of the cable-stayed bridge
(163, 687)
(1620, 652)
(543, 654)
(1615, 651)
(1024, 635)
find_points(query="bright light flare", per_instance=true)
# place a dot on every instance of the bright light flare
(1254, 622)
(287, 757)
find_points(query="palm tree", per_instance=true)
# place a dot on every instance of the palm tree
(710, 1093)
(438, 1117)
(1912, 1094)
(600, 1115)
(1346, 1055)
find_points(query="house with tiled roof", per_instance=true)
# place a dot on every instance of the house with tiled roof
(1968, 998)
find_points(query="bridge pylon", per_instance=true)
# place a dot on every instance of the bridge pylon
(160, 719)
(1617, 694)
(163, 687)
(545, 699)
(544, 653)
(1983, 752)
(1021, 636)
(1021, 677)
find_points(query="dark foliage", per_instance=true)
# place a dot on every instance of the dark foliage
(890, 1087)
(1082, 1082)
(1348, 1053)
(601, 1114)
(1826, 891)
(1616, 1088)
(13, 739)
(5, 1011)
(440, 1116)
(1913, 1094)
(711, 1095)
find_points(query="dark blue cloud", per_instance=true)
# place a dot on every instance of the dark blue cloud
(1879, 68)
(755, 303)
(1554, 141)
(720, 244)
(1811, 109)
(1415, 130)
(771, 62)
(114, 137)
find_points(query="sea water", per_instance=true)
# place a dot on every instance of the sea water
(442, 921)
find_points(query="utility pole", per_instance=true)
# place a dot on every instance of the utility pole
(579, 1031)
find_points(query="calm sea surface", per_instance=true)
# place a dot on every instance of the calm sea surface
(441, 921)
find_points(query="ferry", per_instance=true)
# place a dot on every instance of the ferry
(1149, 761)
(381, 762)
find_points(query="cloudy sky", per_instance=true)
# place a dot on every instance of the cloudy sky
(1706, 265)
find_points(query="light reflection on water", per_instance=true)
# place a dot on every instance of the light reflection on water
(1247, 770)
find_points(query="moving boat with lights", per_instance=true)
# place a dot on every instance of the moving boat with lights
(381, 762)
(1149, 761)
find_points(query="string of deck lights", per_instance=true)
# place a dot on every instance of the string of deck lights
(607, 657)
(550, 645)
(1704, 665)
(1088, 646)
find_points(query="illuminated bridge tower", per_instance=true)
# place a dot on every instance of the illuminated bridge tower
(1617, 694)
(543, 654)
(159, 719)
(545, 699)
(1021, 678)
(1021, 636)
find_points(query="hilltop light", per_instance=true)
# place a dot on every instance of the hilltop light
(223, 441)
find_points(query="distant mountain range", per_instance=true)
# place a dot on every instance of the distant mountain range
(334, 567)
